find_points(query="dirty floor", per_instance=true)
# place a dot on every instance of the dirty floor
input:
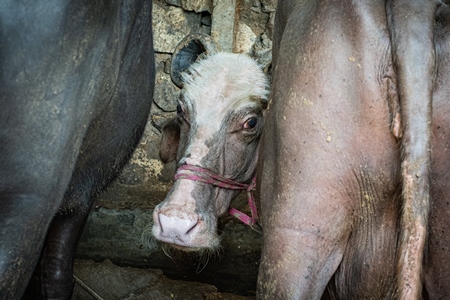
(109, 282)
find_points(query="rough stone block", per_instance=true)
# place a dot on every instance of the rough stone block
(222, 25)
(109, 281)
(170, 25)
(197, 5)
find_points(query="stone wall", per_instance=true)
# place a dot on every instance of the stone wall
(124, 210)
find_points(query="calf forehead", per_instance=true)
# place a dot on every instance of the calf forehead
(223, 82)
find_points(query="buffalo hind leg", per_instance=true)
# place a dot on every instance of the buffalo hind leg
(53, 276)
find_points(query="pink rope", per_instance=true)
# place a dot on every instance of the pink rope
(192, 172)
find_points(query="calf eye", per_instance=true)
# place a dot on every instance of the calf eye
(179, 109)
(181, 115)
(250, 123)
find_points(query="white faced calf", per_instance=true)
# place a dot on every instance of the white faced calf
(217, 129)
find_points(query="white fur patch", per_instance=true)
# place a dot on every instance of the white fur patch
(224, 80)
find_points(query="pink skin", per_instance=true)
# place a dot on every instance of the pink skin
(330, 167)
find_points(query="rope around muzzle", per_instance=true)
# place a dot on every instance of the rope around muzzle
(195, 173)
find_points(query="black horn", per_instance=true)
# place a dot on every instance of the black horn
(187, 52)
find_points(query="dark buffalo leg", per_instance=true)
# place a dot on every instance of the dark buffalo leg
(411, 24)
(53, 275)
(18, 255)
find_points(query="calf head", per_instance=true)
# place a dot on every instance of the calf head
(218, 126)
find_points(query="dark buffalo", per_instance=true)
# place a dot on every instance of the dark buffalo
(345, 155)
(75, 92)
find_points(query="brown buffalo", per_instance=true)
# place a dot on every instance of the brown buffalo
(345, 154)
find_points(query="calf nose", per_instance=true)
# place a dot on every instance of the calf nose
(176, 230)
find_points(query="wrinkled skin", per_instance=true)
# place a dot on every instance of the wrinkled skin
(347, 131)
(75, 92)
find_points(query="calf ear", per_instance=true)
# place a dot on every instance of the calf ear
(169, 141)
(187, 52)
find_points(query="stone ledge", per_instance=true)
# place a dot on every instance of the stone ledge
(117, 235)
(111, 282)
